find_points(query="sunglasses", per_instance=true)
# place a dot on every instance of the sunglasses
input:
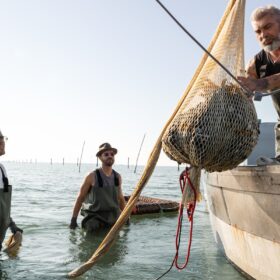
(3, 140)
(106, 154)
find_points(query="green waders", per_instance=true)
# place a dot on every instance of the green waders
(5, 209)
(101, 206)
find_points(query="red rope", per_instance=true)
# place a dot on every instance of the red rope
(184, 177)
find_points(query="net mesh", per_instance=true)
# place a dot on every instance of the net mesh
(216, 127)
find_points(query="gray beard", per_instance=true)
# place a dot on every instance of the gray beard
(273, 46)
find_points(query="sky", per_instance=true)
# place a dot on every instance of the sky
(100, 71)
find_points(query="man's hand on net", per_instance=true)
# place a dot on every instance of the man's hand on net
(253, 84)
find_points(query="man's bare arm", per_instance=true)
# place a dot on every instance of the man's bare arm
(85, 187)
(251, 69)
(253, 83)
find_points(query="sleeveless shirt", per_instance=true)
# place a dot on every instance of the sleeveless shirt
(102, 201)
(266, 67)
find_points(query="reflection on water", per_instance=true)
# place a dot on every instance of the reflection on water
(83, 244)
(43, 198)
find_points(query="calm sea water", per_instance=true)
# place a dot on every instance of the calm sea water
(43, 198)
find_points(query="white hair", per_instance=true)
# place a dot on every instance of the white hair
(261, 12)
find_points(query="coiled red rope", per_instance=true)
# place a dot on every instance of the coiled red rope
(184, 179)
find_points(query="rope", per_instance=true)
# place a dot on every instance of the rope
(184, 177)
(204, 49)
(190, 211)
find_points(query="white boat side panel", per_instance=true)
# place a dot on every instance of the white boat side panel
(256, 256)
(216, 203)
(265, 179)
(247, 198)
(256, 213)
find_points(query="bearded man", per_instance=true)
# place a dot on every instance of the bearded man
(263, 71)
(100, 198)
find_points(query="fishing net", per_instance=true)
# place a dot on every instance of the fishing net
(147, 205)
(214, 125)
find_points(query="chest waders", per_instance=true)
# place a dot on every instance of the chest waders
(5, 206)
(101, 206)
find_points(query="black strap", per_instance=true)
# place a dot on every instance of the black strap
(116, 178)
(5, 181)
(100, 181)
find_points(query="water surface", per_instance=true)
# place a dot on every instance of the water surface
(43, 198)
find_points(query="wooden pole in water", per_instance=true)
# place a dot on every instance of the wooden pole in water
(139, 153)
(128, 162)
(96, 161)
(81, 156)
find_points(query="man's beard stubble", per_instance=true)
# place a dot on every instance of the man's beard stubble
(273, 46)
(109, 162)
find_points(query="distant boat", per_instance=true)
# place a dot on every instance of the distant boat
(244, 206)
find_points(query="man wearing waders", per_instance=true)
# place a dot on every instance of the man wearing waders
(100, 197)
(5, 198)
(263, 71)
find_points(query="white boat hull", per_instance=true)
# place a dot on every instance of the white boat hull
(244, 206)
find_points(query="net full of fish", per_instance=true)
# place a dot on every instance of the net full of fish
(216, 129)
